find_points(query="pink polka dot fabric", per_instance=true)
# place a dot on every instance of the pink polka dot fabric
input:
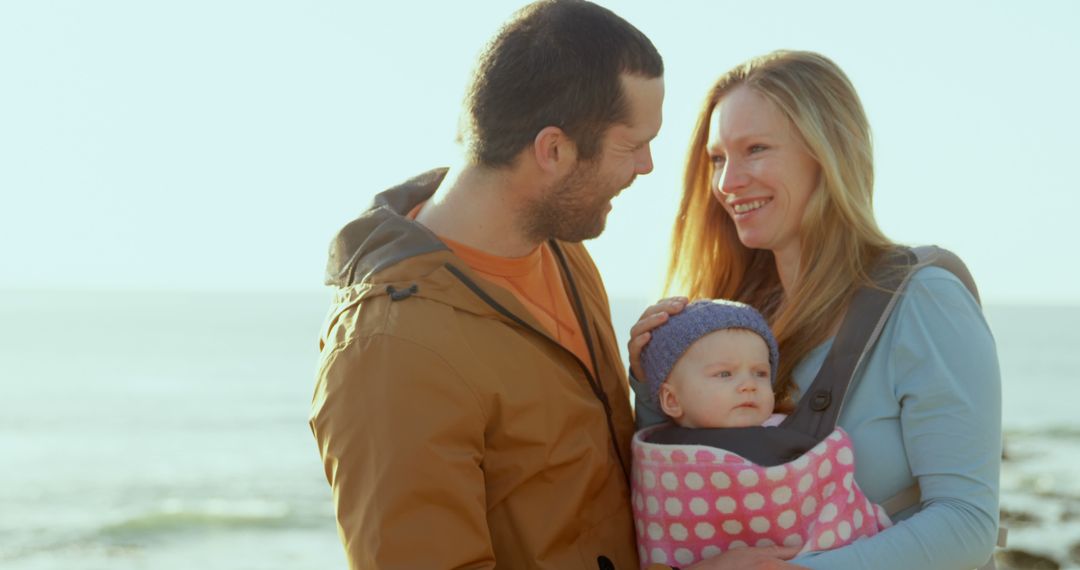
(693, 502)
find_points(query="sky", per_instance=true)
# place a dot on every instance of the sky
(219, 145)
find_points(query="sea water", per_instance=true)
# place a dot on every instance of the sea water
(169, 430)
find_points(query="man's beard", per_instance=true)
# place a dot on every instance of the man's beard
(574, 210)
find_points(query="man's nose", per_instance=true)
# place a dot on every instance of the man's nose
(643, 163)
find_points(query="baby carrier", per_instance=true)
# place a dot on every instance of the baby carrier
(807, 441)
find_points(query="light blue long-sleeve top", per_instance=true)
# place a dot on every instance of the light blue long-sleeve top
(926, 406)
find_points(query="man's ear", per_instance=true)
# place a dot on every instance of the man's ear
(554, 152)
(669, 402)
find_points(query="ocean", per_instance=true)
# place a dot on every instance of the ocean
(154, 430)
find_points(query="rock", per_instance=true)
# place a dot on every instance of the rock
(1016, 559)
(1017, 519)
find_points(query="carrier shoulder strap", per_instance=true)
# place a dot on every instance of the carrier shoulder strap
(870, 307)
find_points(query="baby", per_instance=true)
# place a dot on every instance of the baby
(714, 366)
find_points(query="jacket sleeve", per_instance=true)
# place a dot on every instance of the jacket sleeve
(401, 439)
(943, 369)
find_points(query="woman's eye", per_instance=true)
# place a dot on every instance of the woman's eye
(718, 161)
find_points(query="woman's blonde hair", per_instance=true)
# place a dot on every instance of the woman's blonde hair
(839, 236)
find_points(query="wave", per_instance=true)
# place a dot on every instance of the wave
(168, 521)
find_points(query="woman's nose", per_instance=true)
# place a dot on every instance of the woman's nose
(730, 179)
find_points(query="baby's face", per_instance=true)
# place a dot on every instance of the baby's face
(723, 380)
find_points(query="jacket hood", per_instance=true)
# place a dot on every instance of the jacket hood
(383, 236)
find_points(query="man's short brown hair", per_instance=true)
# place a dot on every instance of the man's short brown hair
(556, 63)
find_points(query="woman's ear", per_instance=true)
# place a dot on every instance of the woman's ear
(669, 401)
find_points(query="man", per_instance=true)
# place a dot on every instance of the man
(471, 408)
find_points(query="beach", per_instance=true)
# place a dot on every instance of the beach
(167, 430)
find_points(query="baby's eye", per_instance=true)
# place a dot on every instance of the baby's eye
(724, 374)
(757, 148)
(762, 373)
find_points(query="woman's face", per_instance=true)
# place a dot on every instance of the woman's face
(762, 173)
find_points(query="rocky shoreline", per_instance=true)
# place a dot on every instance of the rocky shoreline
(1040, 501)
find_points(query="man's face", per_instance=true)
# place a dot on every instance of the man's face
(576, 207)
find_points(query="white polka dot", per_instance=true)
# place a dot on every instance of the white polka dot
(764, 542)
(754, 501)
(808, 506)
(786, 519)
(829, 490)
(827, 539)
(639, 503)
(844, 530)
(694, 481)
(748, 477)
(655, 531)
(737, 544)
(825, 468)
(684, 556)
(725, 505)
(642, 553)
(857, 519)
(844, 456)
(781, 495)
(649, 479)
(704, 530)
(848, 479)
(759, 524)
(883, 519)
(698, 506)
(851, 496)
(652, 505)
(775, 473)
(710, 551)
(720, 480)
(801, 462)
(805, 483)
(673, 506)
(678, 532)
(820, 448)
(828, 513)
(640, 526)
(658, 556)
(669, 481)
(793, 540)
(835, 436)
(732, 526)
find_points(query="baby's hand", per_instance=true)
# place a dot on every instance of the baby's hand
(640, 334)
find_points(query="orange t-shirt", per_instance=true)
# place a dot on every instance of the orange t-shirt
(536, 281)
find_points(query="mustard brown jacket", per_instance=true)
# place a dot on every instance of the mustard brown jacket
(454, 431)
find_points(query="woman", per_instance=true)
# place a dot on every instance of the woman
(777, 213)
